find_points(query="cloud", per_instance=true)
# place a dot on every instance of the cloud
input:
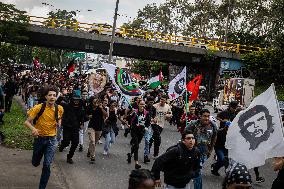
(16, 2)
(103, 10)
(40, 11)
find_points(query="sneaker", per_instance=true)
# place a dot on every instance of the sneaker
(60, 149)
(146, 159)
(137, 166)
(260, 179)
(70, 161)
(125, 134)
(93, 160)
(88, 154)
(128, 158)
(105, 153)
(215, 173)
(80, 148)
(100, 142)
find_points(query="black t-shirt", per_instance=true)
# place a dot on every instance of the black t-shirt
(226, 114)
(97, 120)
(221, 138)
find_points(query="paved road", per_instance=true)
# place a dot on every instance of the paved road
(111, 172)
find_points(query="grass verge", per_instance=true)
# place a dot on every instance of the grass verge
(16, 134)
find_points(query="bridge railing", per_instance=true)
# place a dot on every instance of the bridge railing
(105, 29)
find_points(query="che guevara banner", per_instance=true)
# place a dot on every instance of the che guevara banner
(178, 85)
(256, 133)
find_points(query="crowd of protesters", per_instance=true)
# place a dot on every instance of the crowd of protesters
(62, 111)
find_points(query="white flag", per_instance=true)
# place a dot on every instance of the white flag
(256, 133)
(123, 83)
(178, 85)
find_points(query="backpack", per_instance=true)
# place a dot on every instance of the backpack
(179, 150)
(43, 105)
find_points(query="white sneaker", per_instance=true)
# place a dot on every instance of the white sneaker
(105, 153)
(100, 142)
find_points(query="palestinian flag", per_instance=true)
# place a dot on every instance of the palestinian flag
(154, 82)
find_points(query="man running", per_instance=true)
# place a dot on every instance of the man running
(44, 131)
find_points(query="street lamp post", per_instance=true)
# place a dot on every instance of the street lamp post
(113, 32)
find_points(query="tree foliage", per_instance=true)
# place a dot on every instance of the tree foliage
(13, 23)
(237, 20)
(50, 57)
(149, 68)
(62, 18)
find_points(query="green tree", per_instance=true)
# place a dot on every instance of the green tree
(13, 23)
(149, 68)
(62, 18)
(50, 57)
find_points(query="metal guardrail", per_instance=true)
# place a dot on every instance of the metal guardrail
(105, 29)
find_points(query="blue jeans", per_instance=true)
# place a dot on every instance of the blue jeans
(221, 153)
(147, 136)
(32, 100)
(44, 146)
(110, 138)
(198, 180)
(59, 135)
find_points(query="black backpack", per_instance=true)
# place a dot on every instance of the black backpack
(42, 110)
(179, 150)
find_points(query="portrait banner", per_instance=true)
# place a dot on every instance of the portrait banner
(256, 133)
(97, 82)
(233, 90)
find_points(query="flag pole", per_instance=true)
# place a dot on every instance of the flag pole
(186, 100)
(279, 113)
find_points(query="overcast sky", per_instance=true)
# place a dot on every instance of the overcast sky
(103, 10)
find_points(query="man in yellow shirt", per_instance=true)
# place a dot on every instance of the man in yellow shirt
(44, 131)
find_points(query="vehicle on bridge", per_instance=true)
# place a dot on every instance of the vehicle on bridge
(105, 29)
(193, 42)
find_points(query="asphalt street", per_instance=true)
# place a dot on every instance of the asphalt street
(112, 171)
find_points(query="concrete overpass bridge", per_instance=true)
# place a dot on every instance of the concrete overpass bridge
(125, 47)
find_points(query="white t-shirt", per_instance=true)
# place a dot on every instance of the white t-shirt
(161, 112)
